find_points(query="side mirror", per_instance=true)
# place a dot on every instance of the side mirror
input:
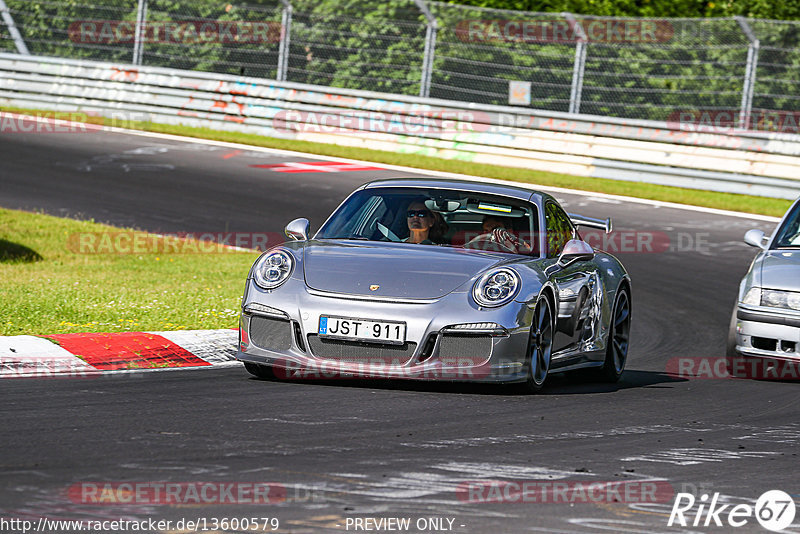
(297, 230)
(755, 238)
(575, 250)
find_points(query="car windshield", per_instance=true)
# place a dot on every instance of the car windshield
(442, 217)
(789, 232)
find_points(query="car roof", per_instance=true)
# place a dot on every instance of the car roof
(520, 193)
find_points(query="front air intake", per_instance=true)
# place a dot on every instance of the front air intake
(465, 347)
(270, 333)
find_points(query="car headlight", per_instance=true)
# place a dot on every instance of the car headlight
(780, 299)
(496, 288)
(273, 269)
(753, 297)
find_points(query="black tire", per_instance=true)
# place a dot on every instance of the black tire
(540, 346)
(264, 372)
(619, 335)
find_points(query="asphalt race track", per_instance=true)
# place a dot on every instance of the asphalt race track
(378, 450)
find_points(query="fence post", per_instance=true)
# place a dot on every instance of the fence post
(12, 29)
(578, 66)
(138, 36)
(430, 47)
(749, 74)
(286, 34)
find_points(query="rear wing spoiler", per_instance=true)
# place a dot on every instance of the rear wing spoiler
(580, 220)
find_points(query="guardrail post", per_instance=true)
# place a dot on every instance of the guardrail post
(578, 66)
(286, 34)
(138, 36)
(431, 27)
(12, 29)
(746, 107)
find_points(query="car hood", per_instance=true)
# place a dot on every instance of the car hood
(780, 269)
(401, 270)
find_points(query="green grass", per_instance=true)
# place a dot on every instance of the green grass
(709, 199)
(50, 287)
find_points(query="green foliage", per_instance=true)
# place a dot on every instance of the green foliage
(765, 9)
(359, 44)
(378, 45)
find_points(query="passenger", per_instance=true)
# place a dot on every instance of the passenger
(425, 226)
(500, 228)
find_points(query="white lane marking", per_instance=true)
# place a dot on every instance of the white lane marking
(442, 174)
(288, 420)
(694, 456)
(407, 485)
(31, 356)
(123, 161)
(429, 486)
(554, 530)
(789, 434)
(304, 419)
(586, 434)
(490, 470)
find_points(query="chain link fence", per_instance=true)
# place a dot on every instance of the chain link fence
(733, 71)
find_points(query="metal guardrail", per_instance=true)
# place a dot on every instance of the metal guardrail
(644, 151)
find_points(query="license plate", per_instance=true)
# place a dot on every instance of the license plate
(362, 329)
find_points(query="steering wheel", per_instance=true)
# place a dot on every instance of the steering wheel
(488, 243)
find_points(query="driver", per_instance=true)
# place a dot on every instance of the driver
(424, 226)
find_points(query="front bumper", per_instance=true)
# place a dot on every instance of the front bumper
(767, 333)
(284, 336)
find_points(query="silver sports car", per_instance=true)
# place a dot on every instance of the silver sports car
(765, 324)
(438, 280)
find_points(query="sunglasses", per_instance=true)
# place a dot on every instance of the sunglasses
(418, 213)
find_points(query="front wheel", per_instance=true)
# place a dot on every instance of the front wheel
(540, 346)
(619, 334)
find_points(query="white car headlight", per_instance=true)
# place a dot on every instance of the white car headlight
(753, 297)
(780, 299)
(496, 288)
(273, 269)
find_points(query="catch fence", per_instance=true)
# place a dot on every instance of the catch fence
(729, 72)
